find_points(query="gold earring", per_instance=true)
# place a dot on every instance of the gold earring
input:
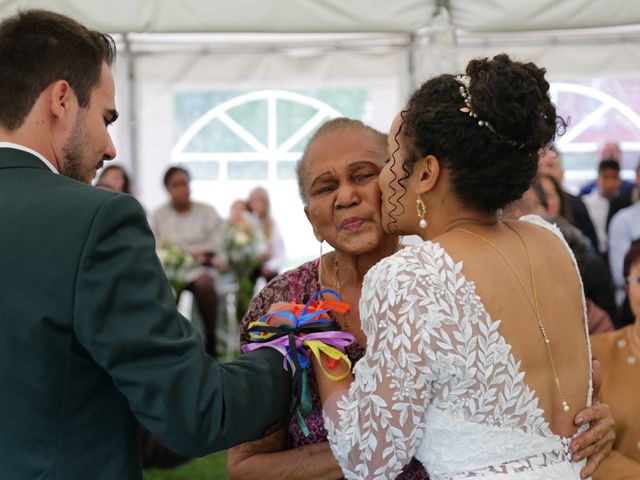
(422, 211)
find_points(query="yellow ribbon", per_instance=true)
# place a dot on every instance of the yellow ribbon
(317, 346)
(259, 335)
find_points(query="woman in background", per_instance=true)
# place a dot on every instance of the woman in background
(619, 355)
(114, 178)
(273, 254)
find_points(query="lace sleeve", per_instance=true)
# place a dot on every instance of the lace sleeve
(374, 429)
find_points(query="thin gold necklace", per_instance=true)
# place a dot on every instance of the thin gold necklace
(336, 279)
(336, 286)
(534, 303)
(336, 272)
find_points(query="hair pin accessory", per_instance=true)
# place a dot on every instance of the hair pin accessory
(465, 83)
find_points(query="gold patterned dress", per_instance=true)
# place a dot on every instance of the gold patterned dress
(619, 355)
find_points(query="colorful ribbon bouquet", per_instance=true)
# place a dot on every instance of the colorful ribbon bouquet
(311, 332)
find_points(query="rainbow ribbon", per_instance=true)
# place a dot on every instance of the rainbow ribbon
(311, 332)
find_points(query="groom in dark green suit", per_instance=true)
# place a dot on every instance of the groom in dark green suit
(90, 339)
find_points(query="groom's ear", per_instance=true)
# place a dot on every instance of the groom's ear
(428, 171)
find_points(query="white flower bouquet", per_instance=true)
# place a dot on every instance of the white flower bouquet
(177, 264)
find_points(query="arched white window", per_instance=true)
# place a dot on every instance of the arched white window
(594, 117)
(255, 136)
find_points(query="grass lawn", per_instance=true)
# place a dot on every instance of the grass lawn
(211, 467)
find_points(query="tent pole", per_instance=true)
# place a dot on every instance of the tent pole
(132, 114)
(411, 63)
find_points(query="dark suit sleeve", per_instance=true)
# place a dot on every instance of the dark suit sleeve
(582, 220)
(126, 318)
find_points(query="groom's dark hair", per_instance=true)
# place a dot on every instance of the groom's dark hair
(39, 47)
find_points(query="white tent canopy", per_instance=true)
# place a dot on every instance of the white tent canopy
(337, 16)
(176, 56)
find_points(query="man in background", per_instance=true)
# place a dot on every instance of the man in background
(597, 202)
(628, 198)
(624, 229)
(610, 151)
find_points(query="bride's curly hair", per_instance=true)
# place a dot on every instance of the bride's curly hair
(489, 167)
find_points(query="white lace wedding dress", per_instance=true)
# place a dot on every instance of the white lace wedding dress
(440, 383)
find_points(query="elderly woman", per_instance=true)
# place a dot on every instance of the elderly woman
(619, 355)
(338, 180)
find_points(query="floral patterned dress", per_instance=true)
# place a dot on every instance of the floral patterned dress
(300, 284)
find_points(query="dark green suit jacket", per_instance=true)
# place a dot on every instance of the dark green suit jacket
(90, 340)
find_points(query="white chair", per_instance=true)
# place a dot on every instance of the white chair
(227, 328)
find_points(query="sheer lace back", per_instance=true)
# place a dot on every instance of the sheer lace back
(439, 382)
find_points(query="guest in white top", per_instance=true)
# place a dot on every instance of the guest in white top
(624, 228)
(197, 229)
(273, 251)
(597, 202)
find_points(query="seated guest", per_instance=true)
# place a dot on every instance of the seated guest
(242, 241)
(597, 202)
(273, 253)
(557, 205)
(609, 151)
(197, 229)
(619, 355)
(627, 198)
(114, 178)
(550, 163)
(623, 229)
(598, 288)
(240, 217)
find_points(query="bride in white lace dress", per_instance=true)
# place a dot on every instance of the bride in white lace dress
(477, 350)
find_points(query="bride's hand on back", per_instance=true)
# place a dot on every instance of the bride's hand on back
(597, 442)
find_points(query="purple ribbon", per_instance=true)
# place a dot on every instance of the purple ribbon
(336, 339)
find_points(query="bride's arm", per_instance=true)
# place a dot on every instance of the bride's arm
(327, 387)
(375, 419)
